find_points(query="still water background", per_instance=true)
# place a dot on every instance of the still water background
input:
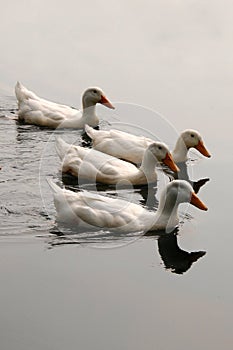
(173, 57)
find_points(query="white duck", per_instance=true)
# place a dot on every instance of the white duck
(90, 210)
(100, 167)
(37, 111)
(130, 147)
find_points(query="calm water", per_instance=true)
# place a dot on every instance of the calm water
(62, 291)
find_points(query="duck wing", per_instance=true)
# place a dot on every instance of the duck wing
(99, 211)
(119, 144)
(92, 164)
(36, 110)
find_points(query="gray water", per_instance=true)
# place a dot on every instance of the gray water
(95, 292)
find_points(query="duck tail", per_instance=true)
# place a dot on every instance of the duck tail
(56, 189)
(61, 147)
(89, 131)
(23, 94)
(19, 91)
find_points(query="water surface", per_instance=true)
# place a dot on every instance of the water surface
(67, 290)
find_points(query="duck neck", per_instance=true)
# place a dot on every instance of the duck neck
(167, 213)
(89, 114)
(180, 151)
(148, 165)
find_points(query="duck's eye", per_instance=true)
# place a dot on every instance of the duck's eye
(192, 135)
(160, 147)
(95, 91)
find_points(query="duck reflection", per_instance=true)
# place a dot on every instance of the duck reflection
(85, 140)
(61, 234)
(183, 175)
(148, 194)
(174, 258)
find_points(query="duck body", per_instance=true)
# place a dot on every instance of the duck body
(100, 167)
(38, 111)
(90, 210)
(131, 147)
(119, 144)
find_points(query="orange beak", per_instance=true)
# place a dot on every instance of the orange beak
(197, 202)
(168, 160)
(201, 148)
(104, 101)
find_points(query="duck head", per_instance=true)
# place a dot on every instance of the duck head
(94, 95)
(161, 152)
(182, 192)
(192, 138)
